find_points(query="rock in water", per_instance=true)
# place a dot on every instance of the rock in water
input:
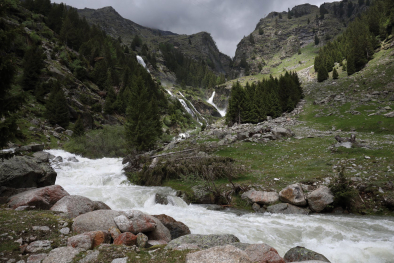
(284, 208)
(177, 229)
(25, 172)
(293, 194)
(203, 241)
(42, 198)
(320, 198)
(260, 197)
(228, 254)
(302, 254)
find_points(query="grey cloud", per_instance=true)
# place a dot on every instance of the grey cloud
(227, 20)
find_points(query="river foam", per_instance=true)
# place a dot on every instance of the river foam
(347, 239)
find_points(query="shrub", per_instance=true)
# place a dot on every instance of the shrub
(108, 142)
(342, 190)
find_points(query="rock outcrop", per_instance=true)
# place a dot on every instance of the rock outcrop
(25, 172)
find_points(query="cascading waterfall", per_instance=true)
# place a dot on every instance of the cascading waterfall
(342, 239)
(142, 63)
(210, 101)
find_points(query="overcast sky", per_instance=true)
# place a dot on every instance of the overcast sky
(227, 20)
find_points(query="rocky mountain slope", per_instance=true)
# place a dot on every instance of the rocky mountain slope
(198, 46)
(278, 37)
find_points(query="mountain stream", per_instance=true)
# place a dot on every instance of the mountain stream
(347, 239)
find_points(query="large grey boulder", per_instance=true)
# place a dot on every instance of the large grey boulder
(74, 205)
(293, 194)
(285, 208)
(25, 172)
(302, 254)
(62, 255)
(203, 241)
(95, 220)
(42, 198)
(43, 156)
(260, 197)
(320, 198)
(220, 254)
(135, 222)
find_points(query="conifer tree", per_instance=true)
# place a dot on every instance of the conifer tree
(350, 64)
(261, 31)
(335, 74)
(79, 129)
(56, 107)
(322, 74)
(33, 62)
(251, 39)
(143, 126)
(317, 40)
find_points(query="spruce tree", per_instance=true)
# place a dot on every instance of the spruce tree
(33, 62)
(317, 40)
(79, 129)
(56, 107)
(251, 39)
(350, 64)
(322, 74)
(335, 74)
(261, 31)
(143, 126)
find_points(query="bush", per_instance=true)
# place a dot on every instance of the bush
(343, 192)
(108, 142)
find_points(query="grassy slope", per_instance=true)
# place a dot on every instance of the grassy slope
(314, 159)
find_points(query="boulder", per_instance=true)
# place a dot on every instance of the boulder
(203, 241)
(177, 229)
(36, 258)
(114, 232)
(260, 252)
(279, 132)
(73, 205)
(161, 199)
(152, 243)
(302, 254)
(293, 194)
(260, 197)
(42, 198)
(142, 240)
(320, 198)
(127, 239)
(25, 172)
(38, 246)
(220, 254)
(89, 240)
(135, 222)
(98, 205)
(7, 192)
(257, 208)
(119, 260)
(43, 156)
(201, 196)
(91, 257)
(34, 147)
(62, 255)
(95, 220)
(160, 232)
(285, 208)
(389, 115)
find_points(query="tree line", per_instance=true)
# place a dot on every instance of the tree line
(358, 43)
(270, 97)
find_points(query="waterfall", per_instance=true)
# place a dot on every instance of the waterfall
(210, 101)
(341, 238)
(142, 62)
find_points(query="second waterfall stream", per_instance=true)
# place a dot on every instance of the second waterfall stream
(347, 239)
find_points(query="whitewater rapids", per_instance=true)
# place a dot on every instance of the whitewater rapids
(347, 239)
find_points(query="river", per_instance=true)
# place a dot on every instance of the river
(347, 239)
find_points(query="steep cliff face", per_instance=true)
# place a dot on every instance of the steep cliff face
(277, 36)
(198, 46)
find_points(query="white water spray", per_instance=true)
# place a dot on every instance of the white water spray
(142, 62)
(210, 101)
(342, 239)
